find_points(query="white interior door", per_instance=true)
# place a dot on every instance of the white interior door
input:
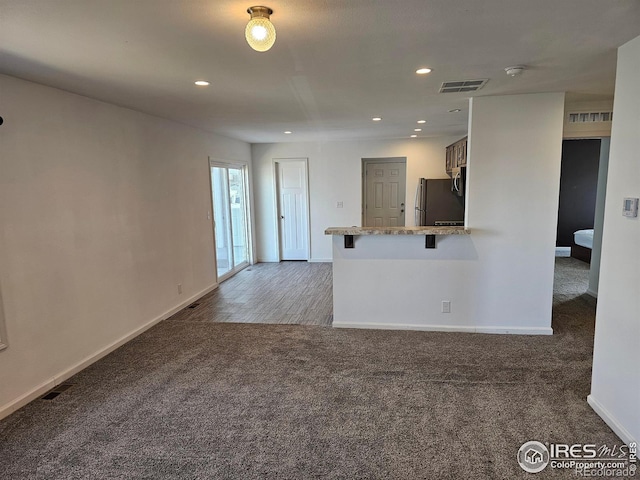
(384, 194)
(293, 215)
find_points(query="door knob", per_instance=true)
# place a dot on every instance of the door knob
(282, 217)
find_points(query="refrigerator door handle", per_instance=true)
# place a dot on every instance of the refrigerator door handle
(416, 215)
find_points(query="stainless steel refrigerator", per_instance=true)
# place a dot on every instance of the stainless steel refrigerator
(436, 205)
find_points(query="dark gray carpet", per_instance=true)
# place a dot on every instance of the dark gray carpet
(194, 399)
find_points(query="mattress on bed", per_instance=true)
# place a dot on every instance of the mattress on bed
(584, 238)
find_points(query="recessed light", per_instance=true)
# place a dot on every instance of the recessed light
(422, 121)
(376, 119)
(417, 129)
(423, 71)
(455, 110)
(202, 83)
(414, 136)
(288, 132)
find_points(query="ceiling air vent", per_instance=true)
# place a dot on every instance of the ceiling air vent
(463, 86)
(588, 117)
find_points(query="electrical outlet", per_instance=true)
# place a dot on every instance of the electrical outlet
(179, 288)
(340, 205)
(446, 306)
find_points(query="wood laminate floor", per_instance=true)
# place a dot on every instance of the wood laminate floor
(286, 292)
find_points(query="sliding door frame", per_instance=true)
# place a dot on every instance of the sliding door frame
(244, 168)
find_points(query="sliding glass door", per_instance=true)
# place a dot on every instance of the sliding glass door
(230, 217)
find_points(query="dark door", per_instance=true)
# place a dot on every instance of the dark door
(442, 205)
(578, 185)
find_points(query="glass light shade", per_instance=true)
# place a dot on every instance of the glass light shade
(260, 34)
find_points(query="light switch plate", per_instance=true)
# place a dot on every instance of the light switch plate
(630, 207)
(446, 306)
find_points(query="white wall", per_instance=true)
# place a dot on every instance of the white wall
(335, 170)
(515, 148)
(500, 277)
(598, 218)
(615, 384)
(103, 211)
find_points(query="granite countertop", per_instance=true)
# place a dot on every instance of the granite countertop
(397, 231)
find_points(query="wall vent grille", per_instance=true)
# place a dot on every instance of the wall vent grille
(463, 86)
(589, 117)
(54, 392)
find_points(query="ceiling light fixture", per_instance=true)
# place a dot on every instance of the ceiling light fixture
(417, 129)
(515, 70)
(422, 121)
(376, 119)
(414, 136)
(288, 132)
(423, 71)
(260, 32)
(201, 83)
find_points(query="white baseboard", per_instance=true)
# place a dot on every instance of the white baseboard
(311, 260)
(563, 251)
(59, 378)
(449, 328)
(592, 293)
(610, 420)
(516, 330)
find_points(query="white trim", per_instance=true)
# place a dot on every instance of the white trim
(592, 293)
(3, 330)
(610, 420)
(449, 328)
(516, 330)
(57, 379)
(217, 162)
(276, 198)
(563, 251)
(321, 260)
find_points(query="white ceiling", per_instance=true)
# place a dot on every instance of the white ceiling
(334, 66)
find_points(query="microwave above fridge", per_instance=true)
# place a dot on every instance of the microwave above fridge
(458, 181)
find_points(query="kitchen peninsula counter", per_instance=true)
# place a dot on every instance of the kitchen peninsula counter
(397, 231)
(414, 278)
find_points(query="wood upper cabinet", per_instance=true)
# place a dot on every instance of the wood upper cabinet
(456, 155)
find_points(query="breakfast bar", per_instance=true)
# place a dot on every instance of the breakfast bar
(423, 278)
(429, 233)
(402, 277)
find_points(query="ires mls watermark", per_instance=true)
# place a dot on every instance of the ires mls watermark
(584, 459)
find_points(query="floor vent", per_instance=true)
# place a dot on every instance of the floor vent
(193, 305)
(463, 86)
(54, 392)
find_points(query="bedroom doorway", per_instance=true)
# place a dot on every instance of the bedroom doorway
(583, 181)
